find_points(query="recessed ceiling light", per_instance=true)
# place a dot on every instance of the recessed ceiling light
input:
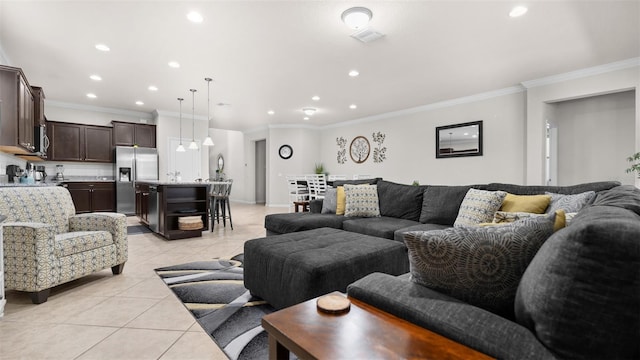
(139, 102)
(466, 134)
(91, 96)
(271, 112)
(474, 136)
(194, 17)
(518, 11)
(174, 64)
(353, 106)
(354, 73)
(95, 77)
(305, 118)
(315, 98)
(152, 88)
(102, 47)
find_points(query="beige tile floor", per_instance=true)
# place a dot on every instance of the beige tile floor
(129, 316)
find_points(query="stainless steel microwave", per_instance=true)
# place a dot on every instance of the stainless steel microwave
(41, 140)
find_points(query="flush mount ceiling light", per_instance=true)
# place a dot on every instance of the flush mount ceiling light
(309, 111)
(208, 141)
(518, 11)
(357, 17)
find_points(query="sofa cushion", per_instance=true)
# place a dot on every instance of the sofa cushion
(580, 295)
(479, 206)
(480, 265)
(626, 197)
(569, 203)
(383, 227)
(361, 200)
(441, 203)
(330, 201)
(541, 189)
(292, 222)
(449, 317)
(400, 200)
(79, 241)
(398, 235)
(536, 204)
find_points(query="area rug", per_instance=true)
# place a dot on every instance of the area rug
(137, 229)
(214, 293)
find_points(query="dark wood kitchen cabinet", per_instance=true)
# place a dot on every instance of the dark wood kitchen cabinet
(38, 109)
(92, 196)
(16, 112)
(142, 203)
(130, 134)
(79, 142)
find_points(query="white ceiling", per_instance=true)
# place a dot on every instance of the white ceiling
(276, 55)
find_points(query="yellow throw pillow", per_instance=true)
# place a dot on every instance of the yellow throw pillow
(561, 220)
(535, 204)
(341, 200)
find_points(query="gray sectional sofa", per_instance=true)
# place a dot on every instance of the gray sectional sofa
(578, 298)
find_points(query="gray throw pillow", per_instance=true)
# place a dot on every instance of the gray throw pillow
(441, 203)
(479, 265)
(330, 201)
(569, 203)
(399, 200)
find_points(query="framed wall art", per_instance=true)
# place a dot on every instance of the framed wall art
(359, 149)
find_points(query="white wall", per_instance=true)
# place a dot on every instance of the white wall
(230, 144)
(410, 143)
(595, 137)
(168, 127)
(623, 76)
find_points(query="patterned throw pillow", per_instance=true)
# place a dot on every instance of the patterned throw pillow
(503, 217)
(330, 201)
(361, 200)
(479, 265)
(479, 206)
(569, 203)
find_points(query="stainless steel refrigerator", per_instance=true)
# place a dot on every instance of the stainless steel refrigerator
(133, 164)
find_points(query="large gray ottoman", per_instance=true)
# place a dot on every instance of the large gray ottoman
(291, 268)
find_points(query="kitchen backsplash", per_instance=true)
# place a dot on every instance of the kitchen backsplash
(71, 169)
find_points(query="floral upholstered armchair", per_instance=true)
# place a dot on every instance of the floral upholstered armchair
(47, 244)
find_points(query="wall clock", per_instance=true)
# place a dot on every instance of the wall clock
(285, 151)
(359, 149)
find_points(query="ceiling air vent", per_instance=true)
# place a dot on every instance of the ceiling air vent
(367, 34)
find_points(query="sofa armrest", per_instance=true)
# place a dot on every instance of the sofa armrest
(469, 325)
(114, 223)
(30, 263)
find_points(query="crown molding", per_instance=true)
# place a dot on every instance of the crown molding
(430, 107)
(294, 126)
(176, 115)
(108, 110)
(577, 74)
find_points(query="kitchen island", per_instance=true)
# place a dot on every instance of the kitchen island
(160, 205)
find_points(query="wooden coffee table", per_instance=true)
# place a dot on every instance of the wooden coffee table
(364, 332)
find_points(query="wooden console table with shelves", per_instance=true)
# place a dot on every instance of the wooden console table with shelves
(165, 203)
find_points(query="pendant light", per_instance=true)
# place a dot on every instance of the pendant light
(207, 141)
(180, 148)
(193, 145)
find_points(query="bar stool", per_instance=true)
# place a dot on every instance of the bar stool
(220, 207)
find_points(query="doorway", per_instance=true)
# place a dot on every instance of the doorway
(261, 172)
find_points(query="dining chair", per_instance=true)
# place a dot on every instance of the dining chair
(220, 205)
(336, 177)
(317, 186)
(362, 177)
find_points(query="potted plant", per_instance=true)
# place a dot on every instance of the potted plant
(319, 168)
(635, 163)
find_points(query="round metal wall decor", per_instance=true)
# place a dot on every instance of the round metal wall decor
(359, 149)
